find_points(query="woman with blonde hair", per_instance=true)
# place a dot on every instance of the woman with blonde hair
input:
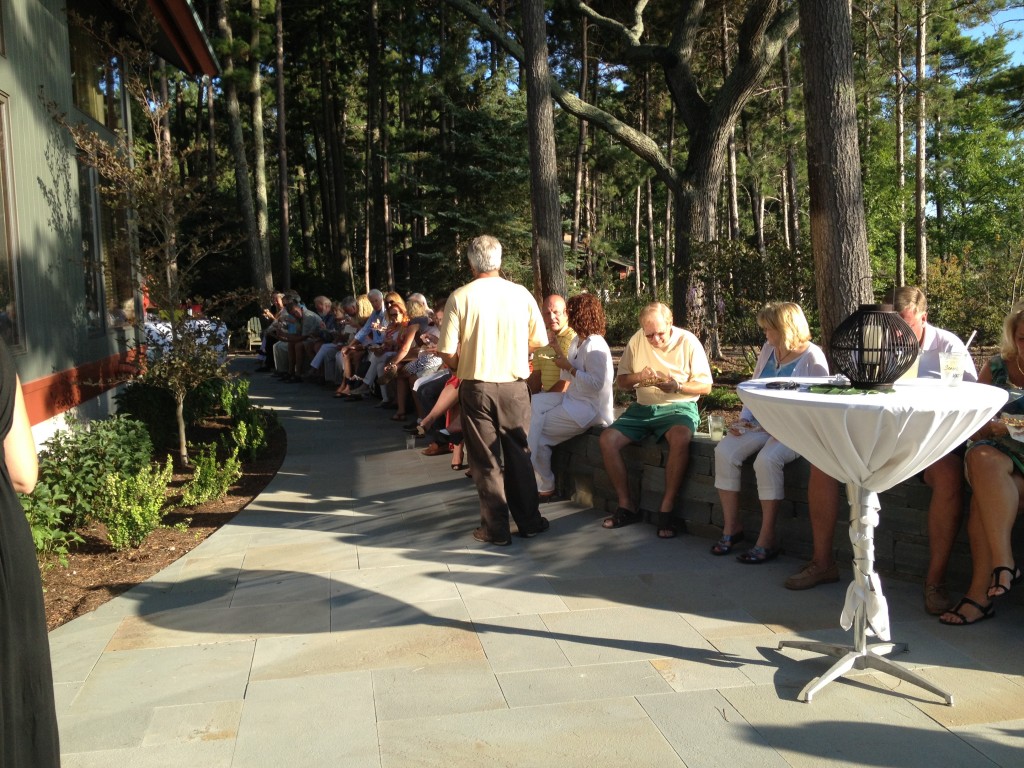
(787, 352)
(342, 361)
(994, 465)
(398, 320)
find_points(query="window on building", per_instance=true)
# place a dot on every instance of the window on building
(95, 77)
(10, 319)
(109, 285)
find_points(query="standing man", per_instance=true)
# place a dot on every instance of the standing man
(546, 376)
(945, 477)
(490, 327)
(669, 370)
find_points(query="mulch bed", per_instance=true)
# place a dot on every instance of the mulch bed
(96, 573)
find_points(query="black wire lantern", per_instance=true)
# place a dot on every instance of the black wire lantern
(874, 346)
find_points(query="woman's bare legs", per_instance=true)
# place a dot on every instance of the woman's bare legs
(769, 513)
(730, 512)
(981, 574)
(997, 489)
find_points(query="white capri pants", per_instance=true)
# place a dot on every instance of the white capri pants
(325, 351)
(772, 457)
(549, 426)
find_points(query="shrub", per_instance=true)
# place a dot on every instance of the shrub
(721, 398)
(250, 431)
(47, 510)
(210, 480)
(154, 407)
(234, 398)
(74, 462)
(622, 317)
(131, 506)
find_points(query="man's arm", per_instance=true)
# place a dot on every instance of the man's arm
(534, 381)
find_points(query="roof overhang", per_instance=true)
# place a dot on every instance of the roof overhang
(183, 41)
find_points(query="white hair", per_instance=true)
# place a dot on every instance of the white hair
(484, 254)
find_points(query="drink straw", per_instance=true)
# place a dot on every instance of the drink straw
(973, 334)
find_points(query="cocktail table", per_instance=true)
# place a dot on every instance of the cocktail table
(871, 442)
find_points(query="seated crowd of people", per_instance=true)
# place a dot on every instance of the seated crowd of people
(382, 346)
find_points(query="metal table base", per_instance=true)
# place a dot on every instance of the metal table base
(863, 519)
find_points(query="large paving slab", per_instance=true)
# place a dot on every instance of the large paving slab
(348, 618)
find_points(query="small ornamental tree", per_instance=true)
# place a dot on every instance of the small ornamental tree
(171, 223)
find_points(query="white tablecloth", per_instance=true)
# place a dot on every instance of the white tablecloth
(874, 441)
(871, 442)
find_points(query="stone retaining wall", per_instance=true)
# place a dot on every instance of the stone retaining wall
(901, 539)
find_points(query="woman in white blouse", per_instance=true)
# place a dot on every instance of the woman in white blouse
(558, 416)
(787, 352)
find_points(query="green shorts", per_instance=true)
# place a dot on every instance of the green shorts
(639, 421)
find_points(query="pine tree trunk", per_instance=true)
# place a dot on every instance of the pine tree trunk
(793, 240)
(547, 212)
(305, 220)
(259, 269)
(258, 140)
(339, 109)
(921, 194)
(838, 229)
(282, 148)
(375, 188)
(652, 263)
(637, 272)
(899, 110)
(581, 143)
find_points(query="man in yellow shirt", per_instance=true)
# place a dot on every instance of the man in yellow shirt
(490, 327)
(546, 376)
(669, 370)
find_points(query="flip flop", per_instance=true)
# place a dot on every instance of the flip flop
(758, 555)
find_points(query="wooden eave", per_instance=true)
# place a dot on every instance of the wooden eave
(184, 42)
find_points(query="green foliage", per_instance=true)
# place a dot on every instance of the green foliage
(210, 480)
(47, 510)
(234, 397)
(622, 318)
(721, 398)
(251, 425)
(131, 506)
(249, 435)
(154, 407)
(74, 461)
(72, 467)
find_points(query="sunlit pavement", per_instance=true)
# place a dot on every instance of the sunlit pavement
(348, 618)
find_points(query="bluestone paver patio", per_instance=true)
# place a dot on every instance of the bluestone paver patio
(347, 618)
